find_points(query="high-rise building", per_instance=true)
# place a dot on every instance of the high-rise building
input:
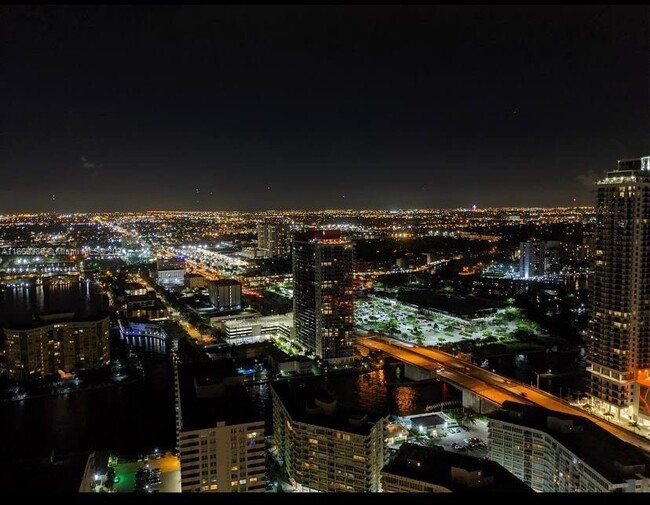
(220, 433)
(57, 342)
(554, 452)
(225, 294)
(273, 238)
(417, 469)
(538, 258)
(323, 300)
(619, 343)
(323, 446)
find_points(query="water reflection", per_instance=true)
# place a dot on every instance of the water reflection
(149, 344)
(404, 400)
(20, 304)
(377, 391)
(568, 369)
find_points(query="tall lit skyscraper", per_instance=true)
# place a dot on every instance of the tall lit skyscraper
(538, 258)
(323, 303)
(531, 259)
(273, 238)
(619, 350)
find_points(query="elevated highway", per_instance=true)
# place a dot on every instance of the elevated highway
(484, 390)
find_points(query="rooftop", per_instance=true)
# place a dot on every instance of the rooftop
(231, 404)
(57, 317)
(434, 465)
(428, 420)
(303, 399)
(225, 282)
(604, 452)
(318, 235)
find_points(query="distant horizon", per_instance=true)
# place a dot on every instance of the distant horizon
(340, 209)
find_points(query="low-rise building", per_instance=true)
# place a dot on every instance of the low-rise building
(196, 281)
(170, 273)
(428, 424)
(145, 305)
(250, 330)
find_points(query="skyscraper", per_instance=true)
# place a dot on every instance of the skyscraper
(537, 259)
(323, 303)
(273, 238)
(619, 350)
(531, 259)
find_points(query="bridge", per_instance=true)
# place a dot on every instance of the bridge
(483, 391)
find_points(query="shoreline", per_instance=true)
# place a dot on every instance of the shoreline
(82, 390)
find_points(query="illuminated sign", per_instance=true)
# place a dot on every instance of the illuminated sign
(645, 163)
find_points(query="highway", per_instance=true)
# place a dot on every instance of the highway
(489, 385)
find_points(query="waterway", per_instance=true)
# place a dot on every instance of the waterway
(130, 418)
(567, 370)
(139, 417)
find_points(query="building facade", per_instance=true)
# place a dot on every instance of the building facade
(170, 273)
(324, 449)
(557, 453)
(538, 258)
(323, 301)
(273, 239)
(227, 458)
(225, 294)
(57, 343)
(220, 434)
(619, 337)
(257, 329)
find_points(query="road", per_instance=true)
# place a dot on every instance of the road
(489, 385)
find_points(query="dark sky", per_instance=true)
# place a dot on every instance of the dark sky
(217, 107)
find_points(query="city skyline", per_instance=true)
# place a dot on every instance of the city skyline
(325, 248)
(221, 107)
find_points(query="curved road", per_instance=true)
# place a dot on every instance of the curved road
(489, 385)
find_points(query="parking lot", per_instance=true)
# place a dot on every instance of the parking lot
(167, 467)
(460, 440)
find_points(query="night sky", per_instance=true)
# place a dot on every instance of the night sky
(244, 108)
